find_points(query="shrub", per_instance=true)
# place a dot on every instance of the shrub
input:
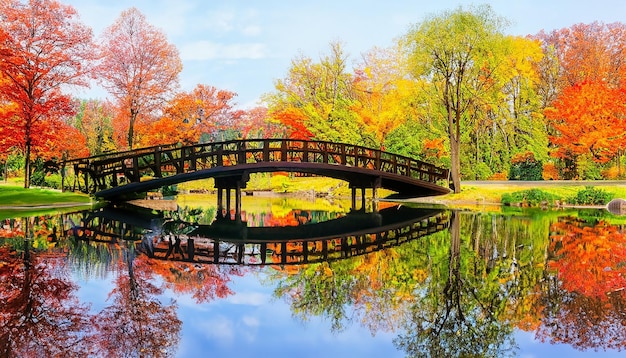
(53, 181)
(530, 197)
(591, 196)
(587, 169)
(524, 166)
(499, 176)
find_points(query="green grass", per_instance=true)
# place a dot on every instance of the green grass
(492, 192)
(15, 196)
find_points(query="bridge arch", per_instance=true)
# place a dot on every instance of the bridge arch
(114, 176)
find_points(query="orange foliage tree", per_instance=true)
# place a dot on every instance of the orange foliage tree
(189, 115)
(588, 118)
(139, 68)
(44, 47)
(256, 123)
(295, 122)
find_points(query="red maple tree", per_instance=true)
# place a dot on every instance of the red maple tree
(44, 47)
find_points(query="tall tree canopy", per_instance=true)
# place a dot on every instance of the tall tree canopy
(44, 48)
(455, 52)
(588, 52)
(139, 67)
(586, 81)
(588, 119)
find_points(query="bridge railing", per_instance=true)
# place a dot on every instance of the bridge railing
(108, 170)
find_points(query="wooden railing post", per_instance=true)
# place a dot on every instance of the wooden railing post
(283, 150)
(377, 160)
(266, 150)
(305, 151)
(343, 155)
(220, 155)
(241, 152)
(192, 159)
(135, 168)
(157, 162)
(86, 177)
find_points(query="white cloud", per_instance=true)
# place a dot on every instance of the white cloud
(250, 321)
(207, 50)
(251, 30)
(249, 298)
(220, 328)
(220, 21)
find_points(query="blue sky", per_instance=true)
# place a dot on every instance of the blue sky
(244, 46)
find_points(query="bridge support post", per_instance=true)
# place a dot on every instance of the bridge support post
(220, 203)
(366, 183)
(236, 183)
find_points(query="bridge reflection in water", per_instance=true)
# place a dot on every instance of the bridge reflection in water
(234, 243)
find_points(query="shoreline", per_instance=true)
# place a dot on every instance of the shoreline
(474, 194)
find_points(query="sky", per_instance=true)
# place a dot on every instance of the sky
(244, 46)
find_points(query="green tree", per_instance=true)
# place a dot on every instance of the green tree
(456, 52)
(317, 98)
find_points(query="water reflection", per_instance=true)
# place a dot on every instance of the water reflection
(444, 283)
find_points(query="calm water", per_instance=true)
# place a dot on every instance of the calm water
(404, 281)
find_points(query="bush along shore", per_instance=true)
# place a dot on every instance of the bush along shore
(589, 196)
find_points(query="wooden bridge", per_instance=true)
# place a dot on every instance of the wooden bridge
(115, 176)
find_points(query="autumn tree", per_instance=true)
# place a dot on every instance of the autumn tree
(314, 100)
(139, 68)
(587, 52)
(45, 48)
(588, 120)
(509, 118)
(454, 52)
(580, 59)
(257, 123)
(384, 97)
(204, 113)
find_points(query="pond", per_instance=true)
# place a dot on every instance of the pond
(311, 278)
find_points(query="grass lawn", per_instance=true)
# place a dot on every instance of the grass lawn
(490, 192)
(15, 196)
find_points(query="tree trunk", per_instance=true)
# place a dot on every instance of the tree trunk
(27, 165)
(454, 132)
(130, 135)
